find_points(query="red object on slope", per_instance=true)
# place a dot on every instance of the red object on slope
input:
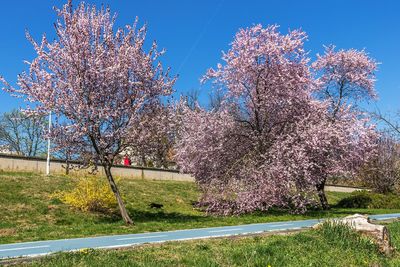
(127, 161)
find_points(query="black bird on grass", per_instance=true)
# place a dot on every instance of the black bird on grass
(156, 205)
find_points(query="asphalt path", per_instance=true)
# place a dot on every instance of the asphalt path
(38, 248)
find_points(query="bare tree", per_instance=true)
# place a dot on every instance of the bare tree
(382, 172)
(216, 98)
(22, 134)
(68, 155)
(192, 98)
(392, 125)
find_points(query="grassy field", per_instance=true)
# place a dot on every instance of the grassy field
(329, 246)
(28, 212)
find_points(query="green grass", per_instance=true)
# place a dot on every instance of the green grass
(327, 246)
(365, 199)
(28, 212)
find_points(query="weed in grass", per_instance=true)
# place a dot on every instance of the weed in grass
(345, 237)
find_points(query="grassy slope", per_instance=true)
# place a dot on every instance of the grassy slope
(28, 212)
(328, 247)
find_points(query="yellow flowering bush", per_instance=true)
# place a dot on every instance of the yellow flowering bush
(90, 193)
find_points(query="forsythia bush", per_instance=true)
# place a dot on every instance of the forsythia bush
(90, 193)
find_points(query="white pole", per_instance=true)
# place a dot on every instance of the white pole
(48, 147)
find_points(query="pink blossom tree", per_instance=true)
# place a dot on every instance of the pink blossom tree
(155, 136)
(345, 77)
(272, 143)
(97, 82)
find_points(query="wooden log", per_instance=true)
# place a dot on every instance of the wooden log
(360, 223)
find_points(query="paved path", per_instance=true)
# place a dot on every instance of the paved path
(346, 189)
(31, 249)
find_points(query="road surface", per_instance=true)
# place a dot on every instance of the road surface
(38, 248)
(346, 189)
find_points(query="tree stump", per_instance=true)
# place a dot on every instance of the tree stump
(360, 223)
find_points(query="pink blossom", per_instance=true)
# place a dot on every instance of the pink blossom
(272, 144)
(97, 81)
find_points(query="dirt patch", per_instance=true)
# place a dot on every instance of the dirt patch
(7, 232)
(21, 207)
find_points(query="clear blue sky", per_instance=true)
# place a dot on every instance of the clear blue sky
(195, 32)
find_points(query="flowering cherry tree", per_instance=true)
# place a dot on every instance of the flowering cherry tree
(154, 137)
(345, 77)
(272, 143)
(97, 81)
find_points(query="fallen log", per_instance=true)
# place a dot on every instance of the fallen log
(360, 223)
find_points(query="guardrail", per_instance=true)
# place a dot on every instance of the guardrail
(38, 164)
(344, 188)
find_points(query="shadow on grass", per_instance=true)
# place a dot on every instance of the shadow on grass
(142, 216)
(334, 211)
(160, 216)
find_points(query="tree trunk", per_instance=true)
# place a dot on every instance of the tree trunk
(322, 197)
(114, 188)
(67, 168)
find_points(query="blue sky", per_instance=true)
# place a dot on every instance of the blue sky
(195, 32)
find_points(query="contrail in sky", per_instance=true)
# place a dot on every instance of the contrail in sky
(200, 36)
